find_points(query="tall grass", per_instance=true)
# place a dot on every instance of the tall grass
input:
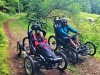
(4, 69)
(90, 32)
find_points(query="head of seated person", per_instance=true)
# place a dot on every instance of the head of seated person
(40, 36)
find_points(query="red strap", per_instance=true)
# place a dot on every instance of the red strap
(35, 40)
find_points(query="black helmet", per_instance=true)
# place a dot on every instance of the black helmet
(64, 20)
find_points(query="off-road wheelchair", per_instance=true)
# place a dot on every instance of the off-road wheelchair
(57, 44)
(33, 59)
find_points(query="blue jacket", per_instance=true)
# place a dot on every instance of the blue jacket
(63, 31)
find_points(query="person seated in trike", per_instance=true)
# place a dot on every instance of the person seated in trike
(42, 47)
(40, 52)
(63, 33)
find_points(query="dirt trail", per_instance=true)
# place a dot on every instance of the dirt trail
(87, 65)
(16, 64)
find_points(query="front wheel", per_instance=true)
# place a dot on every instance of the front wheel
(52, 42)
(64, 62)
(72, 55)
(29, 65)
(91, 47)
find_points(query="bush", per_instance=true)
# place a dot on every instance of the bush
(3, 16)
(4, 69)
(1, 38)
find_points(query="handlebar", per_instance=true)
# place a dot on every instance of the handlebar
(76, 34)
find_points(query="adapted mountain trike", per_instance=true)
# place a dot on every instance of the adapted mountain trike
(58, 44)
(35, 60)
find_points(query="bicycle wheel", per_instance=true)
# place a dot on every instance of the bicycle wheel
(91, 47)
(26, 46)
(64, 63)
(72, 55)
(19, 50)
(29, 65)
(53, 43)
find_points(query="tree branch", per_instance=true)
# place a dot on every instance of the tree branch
(56, 6)
(2, 8)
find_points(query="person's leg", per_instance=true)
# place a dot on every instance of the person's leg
(76, 40)
(72, 43)
(47, 52)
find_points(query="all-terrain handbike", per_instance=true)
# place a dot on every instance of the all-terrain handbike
(58, 44)
(35, 60)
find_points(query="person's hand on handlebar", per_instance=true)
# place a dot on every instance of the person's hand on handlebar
(78, 32)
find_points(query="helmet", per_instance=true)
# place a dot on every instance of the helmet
(64, 20)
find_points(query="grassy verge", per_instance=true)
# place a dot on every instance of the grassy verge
(4, 69)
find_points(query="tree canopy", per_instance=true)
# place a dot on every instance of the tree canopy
(43, 8)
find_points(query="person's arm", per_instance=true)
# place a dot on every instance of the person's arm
(72, 29)
(61, 31)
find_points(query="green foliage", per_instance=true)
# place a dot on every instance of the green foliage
(88, 31)
(3, 54)
(4, 69)
(3, 16)
(71, 67)
(1, 38)
(8, 6)
(4, 61)
(95, 6)
(2, 3)
(42, 8)
(85, 5)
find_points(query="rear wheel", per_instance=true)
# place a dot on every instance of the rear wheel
(19, 50)
(64, 62)
(26, 45)
(53, 43)
(72, 55)
(91, 47)
(29, 65)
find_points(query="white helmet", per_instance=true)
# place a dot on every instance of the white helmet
(64, 20)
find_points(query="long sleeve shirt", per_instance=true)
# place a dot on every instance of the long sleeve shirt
(63, 31)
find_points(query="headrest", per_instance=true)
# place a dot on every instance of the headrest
(57, 21)
(36, 27)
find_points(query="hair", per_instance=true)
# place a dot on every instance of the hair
(37, 34)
